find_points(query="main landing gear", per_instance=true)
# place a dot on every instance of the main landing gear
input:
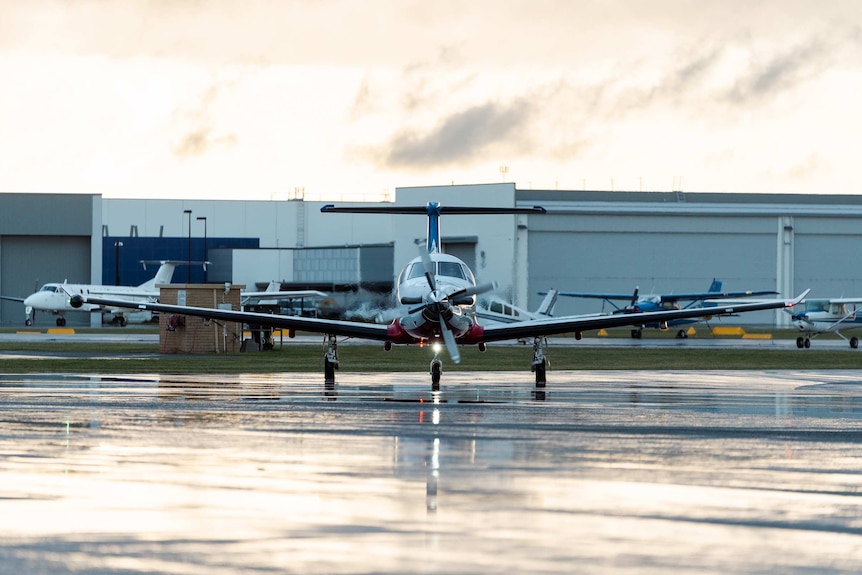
(436, 370)
(805, 342)
(540, 362)
(330, 360)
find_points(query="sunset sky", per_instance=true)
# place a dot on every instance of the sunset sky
(349, 100)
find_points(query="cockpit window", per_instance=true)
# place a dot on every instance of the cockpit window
(50, 288)
(415, 271)
(450, 269)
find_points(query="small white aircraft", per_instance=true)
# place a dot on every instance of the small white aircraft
(496, 310)
(54, 297)
(439, 291)
(273, 295)
(832, 315)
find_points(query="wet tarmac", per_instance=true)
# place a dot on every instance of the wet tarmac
(604, 472)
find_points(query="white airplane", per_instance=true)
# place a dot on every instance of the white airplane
(496, 310)
(827, 316)
(273, 294)
(54, 297)
(439, 291)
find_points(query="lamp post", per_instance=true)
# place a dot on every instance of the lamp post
(189, 262)
(205, 246)
(117, 246)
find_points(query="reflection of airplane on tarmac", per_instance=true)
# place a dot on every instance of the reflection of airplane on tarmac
(440, 293)
(659, 302)
(827, 316)
(54, 297)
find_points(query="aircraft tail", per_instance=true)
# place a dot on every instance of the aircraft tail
(715, 286)
(163, 276)
(433, 210)
(546, 308)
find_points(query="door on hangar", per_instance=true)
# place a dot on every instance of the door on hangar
(29, 262)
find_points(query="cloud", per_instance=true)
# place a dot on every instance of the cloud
(459, 138)
(197, 125)
(780, 72)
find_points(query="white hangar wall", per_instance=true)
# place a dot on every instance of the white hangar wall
(289, 223)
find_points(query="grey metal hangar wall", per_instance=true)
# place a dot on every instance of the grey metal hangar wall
(45, 238)
(665, 243)
(657, 254)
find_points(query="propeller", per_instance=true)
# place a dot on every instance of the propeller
(438, 302)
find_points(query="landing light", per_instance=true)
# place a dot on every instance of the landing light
(436, 347)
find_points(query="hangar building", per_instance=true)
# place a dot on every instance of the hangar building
(595, 241)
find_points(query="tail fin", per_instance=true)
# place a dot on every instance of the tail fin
(547, 305)
(715, 286)
(163, 275)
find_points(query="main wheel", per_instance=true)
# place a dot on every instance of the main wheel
(328, 371)
(807, 343)
(61, 321)
(681, 334)
(800, 342)
(854, 342)
(541, 369)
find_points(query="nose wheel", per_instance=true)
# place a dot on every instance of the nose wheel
(803, 342)
(436, 370)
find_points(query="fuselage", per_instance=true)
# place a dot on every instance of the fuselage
(451, 275)
(822, 316)
(55, 297)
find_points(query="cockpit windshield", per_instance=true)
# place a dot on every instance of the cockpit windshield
(53, 288)
(450, 269)
(446, 269)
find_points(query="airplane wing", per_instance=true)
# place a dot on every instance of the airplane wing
(10, 298)
(669, 297)
(714, 295)
(608, 296)
(364, 330)
(544, 327)
(136, 293)
(378, 332)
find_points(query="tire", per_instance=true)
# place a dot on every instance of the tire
(807, 343)
(854, 342)
(800, 342)
(436, 369)
(541, 374)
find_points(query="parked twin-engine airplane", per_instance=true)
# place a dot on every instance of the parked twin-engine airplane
(54, 297)
(659, 302)
(440, 293)
(827, 316)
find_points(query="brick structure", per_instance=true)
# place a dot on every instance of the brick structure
(197, 334)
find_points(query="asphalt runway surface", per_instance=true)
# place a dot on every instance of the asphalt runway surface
(603, 472)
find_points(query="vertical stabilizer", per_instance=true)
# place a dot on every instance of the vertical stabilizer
(546, 308)
(163, 276)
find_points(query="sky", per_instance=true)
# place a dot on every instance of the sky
(348, 100)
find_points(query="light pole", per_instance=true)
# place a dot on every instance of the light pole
(189, 262)
(117, 246)
(205, 246)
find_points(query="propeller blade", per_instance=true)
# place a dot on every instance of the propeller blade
(428, 265)
(449, 339)
(475, 290)
(635, 296)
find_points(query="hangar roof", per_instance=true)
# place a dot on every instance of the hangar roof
(740, 204)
